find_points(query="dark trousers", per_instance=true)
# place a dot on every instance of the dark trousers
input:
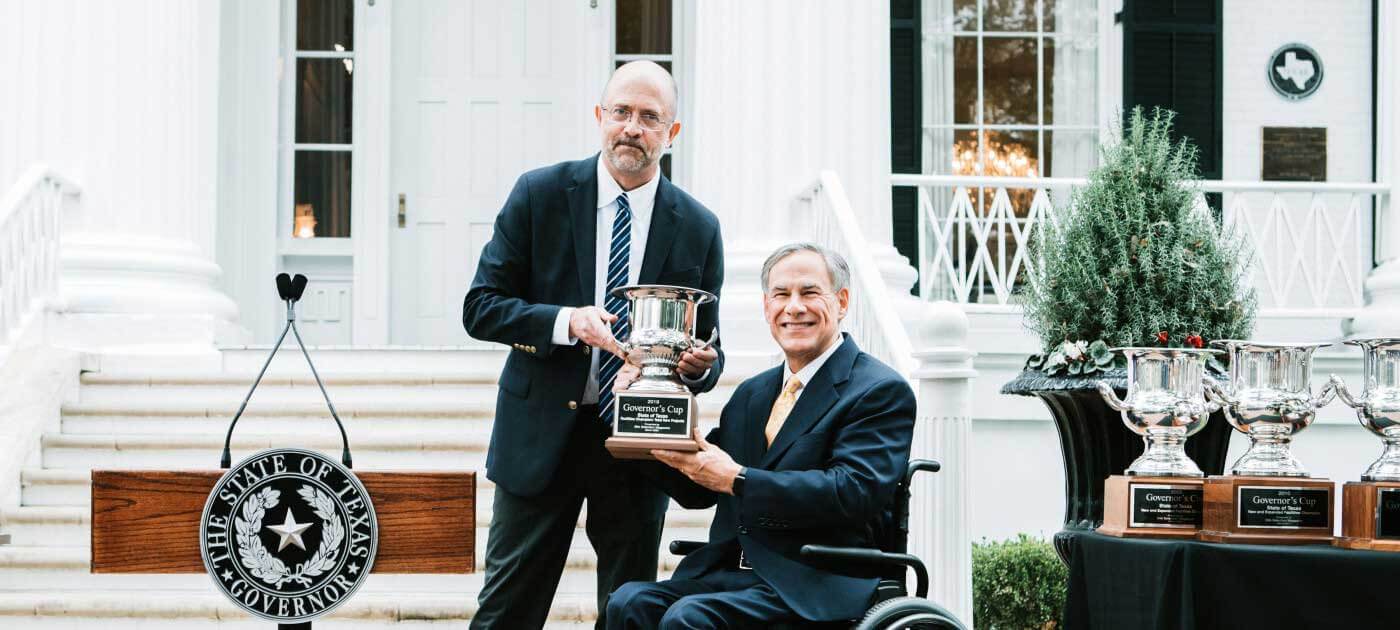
(728, 598)
(529, 539)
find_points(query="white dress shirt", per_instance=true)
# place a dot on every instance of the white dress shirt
(805, 374)
(642, 200)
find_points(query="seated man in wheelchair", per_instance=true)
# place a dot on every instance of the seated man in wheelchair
(807, 453)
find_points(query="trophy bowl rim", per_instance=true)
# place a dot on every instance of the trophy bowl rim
(1273, 345)
(1363, 342)
(1131, 351)
(700, 296)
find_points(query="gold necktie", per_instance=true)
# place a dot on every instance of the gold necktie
(781, 407)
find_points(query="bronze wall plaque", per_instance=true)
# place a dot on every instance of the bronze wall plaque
(1295, 154)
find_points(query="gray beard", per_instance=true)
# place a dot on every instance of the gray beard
(627, 163)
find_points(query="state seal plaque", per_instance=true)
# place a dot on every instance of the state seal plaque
(288, 535)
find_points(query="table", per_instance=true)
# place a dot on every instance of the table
(1122, 583)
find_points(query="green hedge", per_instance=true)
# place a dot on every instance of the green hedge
(1017, 585)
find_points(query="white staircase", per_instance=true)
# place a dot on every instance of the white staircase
(403, 408)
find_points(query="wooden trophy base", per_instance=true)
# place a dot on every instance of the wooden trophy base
(1268, 510)
(640, 448)
(1151, 507)
(1370, 516)
(643, 421)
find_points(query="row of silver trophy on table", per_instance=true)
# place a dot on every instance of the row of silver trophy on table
(1267, 396)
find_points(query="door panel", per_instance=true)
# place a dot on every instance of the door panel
(469, 116)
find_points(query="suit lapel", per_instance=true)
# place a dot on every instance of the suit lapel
(583, 212)
(756, 419)
(817, 397)
(665, 222)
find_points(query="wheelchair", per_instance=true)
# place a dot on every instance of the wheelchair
(893, 608)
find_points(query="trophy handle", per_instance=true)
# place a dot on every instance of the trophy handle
(1215, 392)
(1340, 388)
(1111, 398)
(714, 336)
(1327, 394)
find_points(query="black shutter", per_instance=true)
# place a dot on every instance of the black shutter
(1172, 59)
(906, 123)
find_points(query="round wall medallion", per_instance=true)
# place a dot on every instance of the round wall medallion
(1295, 71)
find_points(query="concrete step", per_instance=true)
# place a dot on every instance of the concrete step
(201, 451)
(55, 487)
(206, 608)
(25, 567)
(228, 389)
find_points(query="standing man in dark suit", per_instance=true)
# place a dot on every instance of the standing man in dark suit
(567, 236)
(809, 452)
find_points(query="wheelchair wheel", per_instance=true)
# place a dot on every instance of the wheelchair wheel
(911, 613)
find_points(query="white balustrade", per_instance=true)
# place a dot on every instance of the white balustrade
(1310, 239)
(872, 317)
(31, 218)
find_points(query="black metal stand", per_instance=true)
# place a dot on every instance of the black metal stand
(305, 625)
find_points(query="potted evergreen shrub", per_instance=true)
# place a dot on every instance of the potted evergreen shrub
(1133, 261)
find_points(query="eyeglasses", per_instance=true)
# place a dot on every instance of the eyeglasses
(623, 115)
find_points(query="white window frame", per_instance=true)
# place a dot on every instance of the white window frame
(679, 9)
(287, 146)
(981, 35)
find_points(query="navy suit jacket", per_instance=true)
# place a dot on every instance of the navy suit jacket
(541, 258)
(829, 478)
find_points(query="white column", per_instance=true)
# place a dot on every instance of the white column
(782, 89)
(940, 519)
(126, 103)
(1382, 310)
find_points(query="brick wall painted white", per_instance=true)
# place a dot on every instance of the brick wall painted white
(1340, 32)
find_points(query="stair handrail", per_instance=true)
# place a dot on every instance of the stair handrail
(31, 223)
(872, 317)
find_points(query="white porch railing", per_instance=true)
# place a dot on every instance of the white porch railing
(31, 217)
(1311, 241)
(872, 317)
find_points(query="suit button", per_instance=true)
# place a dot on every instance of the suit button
(744, 530)
(573, 404)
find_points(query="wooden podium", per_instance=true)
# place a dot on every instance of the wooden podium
(1268, 510)
(1370, 516)
(427, 520)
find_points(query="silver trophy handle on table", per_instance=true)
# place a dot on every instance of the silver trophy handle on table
(1378, 405)
(1268, 397)
(1165, 405)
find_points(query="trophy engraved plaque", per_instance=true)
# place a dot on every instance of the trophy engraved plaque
(1159, 495)
(1268, 497)
(1371, 507)
(657, 411)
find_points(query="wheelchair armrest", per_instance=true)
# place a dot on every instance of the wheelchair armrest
(685, 547)
(870, 557)
(916, 465)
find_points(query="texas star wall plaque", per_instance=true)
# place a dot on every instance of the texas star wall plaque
(288, 535)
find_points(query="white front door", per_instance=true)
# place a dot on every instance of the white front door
(482, 92)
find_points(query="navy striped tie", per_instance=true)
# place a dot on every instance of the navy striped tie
(619, 262)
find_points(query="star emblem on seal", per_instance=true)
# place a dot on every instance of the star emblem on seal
(288, 535)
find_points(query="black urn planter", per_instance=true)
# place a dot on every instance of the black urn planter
(1096, 444)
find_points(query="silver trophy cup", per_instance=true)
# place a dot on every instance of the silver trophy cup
(663, 320)
(1165, 405)
(1378, 406)
(656, 411)
(1269, 399)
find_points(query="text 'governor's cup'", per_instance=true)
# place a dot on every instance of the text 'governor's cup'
(657, 411)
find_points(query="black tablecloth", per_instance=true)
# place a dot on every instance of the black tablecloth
(1119, 583)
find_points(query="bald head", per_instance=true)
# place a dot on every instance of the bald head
(647, 76)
